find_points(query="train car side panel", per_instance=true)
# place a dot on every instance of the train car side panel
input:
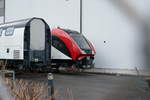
(12, 44)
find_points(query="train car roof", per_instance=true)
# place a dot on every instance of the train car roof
(70, 31)
(18, 23)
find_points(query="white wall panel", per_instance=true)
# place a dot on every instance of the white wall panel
(104, 21)
(1, 19)
(64, 13)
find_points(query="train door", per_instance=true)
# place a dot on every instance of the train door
(37, 42)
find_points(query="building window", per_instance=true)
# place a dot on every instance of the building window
(59, 44)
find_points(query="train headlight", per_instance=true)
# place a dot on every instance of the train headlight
(88, 58)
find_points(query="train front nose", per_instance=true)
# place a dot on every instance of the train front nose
(87, 51)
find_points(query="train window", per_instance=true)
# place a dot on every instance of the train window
(1, 31)
(59, 44)
(9, 31)
(81, 41)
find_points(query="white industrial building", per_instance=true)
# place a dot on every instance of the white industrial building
(118, 29)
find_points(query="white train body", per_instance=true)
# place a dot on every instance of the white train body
(12, 45)
(25, 42)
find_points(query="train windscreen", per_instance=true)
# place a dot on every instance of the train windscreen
(81, 41)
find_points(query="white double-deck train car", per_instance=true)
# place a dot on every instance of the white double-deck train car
(25, 43)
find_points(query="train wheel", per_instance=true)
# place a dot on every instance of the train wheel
(57, 69)
(73, 68)
(20, 67)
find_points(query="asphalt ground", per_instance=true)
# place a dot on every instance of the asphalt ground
(84, 86)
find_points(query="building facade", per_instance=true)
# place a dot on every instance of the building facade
(116, 28)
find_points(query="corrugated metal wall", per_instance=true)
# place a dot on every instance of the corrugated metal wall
(120, 24)
(64, 13)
